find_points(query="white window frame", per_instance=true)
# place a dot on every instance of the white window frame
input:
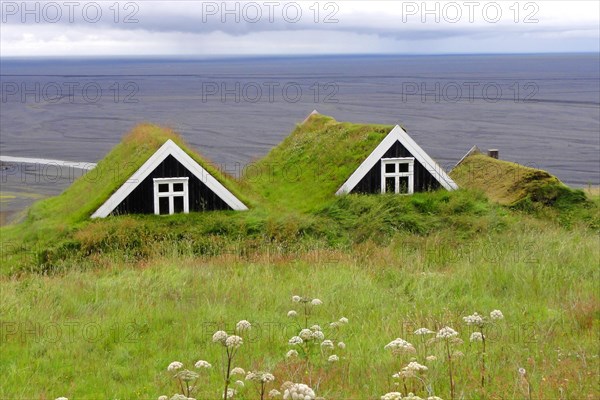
(171, 194)
(397, 174)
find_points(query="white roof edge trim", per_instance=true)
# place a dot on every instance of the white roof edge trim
(168, 148)
(400, 135)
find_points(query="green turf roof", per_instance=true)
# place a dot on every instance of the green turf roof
(305, 170)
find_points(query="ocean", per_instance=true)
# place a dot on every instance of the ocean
(537, 110)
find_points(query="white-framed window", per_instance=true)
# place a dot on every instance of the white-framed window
(397, 175)
(171, 196)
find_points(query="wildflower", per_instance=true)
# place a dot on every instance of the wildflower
(296, 340)
(446, 333)
(240, 383)
(335, 324)
(299, 391)
(179, 396)
(476, 337)
(474, 319)
(305, 334)
(496, 315)
(242, 326)
(423, 331)
(327, 344)
(392, 396)
(292, 314)
(291, 353)
(344, 320)
(415, 367)
(398, 346)
(64, 398)
(187, 375)
(220, 337)
(434, 398)
(315, 328)
(412, 396)
(230, 393)
(296, 299)
(341, 345)
(333, 358)
(431, 358)
(457, 354)
(233, 342)
(522, 371)
(163, 397)
(318, 335)
(174, 366)
(238, 371)
(316, 302)
(202, 364)
(274, 393)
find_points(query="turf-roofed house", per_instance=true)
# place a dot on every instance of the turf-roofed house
(170, 181)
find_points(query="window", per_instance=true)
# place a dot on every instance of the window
(171, 196)
(397, 175)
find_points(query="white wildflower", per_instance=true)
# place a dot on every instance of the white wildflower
(299, 391)
(474, 319)
(398, 346)
(434, 398)
(392, 396)
(496, 315)
(179, 396)
(230, 393)
(291, 353)
(458, 354)
(315, 328)
(64, 398)
(476, 337)
(163, 397)
(242, 326)
(296, 299)
(446, 333)
(344, 320)
(306, 334)
(240, 383)
(174, 366)
(202, 364)
(522, 371)
(238, 371)
(327, 344)
(412, 396)
(220, 337)
(318, 335)
(233, 342)
(274, 393)
(335, 324)
(341, 345)
(316, 302)
(296, 340)
(423, 331)
(431, 358)
(292, 314)
(333, 358)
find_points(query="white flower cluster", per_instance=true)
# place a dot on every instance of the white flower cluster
(496, 315)
(174, 366)
(446, 333)
(398, 346)
(476, 337)
(202, 364)
(392, 396)
(233, 342)
(431, 358)
(327, 344)
(475, 319)
(238, 371)
(64, 398)
(307, 300)
(243, 326)
(220, 337)
(341, 345)
(274, 393)
(423, 331)
(230, 393)
(292, 314)
(299, 391)
(415, 367)
(259, 376)
(333, 358)
(295, 340)
(291, 353)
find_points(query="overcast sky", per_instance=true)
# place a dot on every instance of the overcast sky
(195, 28)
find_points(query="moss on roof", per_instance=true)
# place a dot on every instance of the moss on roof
(513, 184)
(90, 191)
(305, 170)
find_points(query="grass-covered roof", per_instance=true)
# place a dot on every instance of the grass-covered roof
(305, 170)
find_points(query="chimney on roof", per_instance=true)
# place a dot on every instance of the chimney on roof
(493, 153)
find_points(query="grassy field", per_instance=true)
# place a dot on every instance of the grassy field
(99, 309)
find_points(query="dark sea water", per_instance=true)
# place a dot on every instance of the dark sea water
(539, 110)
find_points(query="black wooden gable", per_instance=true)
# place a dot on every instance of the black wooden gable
(141, 199)
(423, 179)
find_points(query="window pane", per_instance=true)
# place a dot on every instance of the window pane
(403, 184)
(163, 205)
(178, 204)
(390, 168)
(178, 187)
(163, 187)
(390, 185)
(403, 167)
